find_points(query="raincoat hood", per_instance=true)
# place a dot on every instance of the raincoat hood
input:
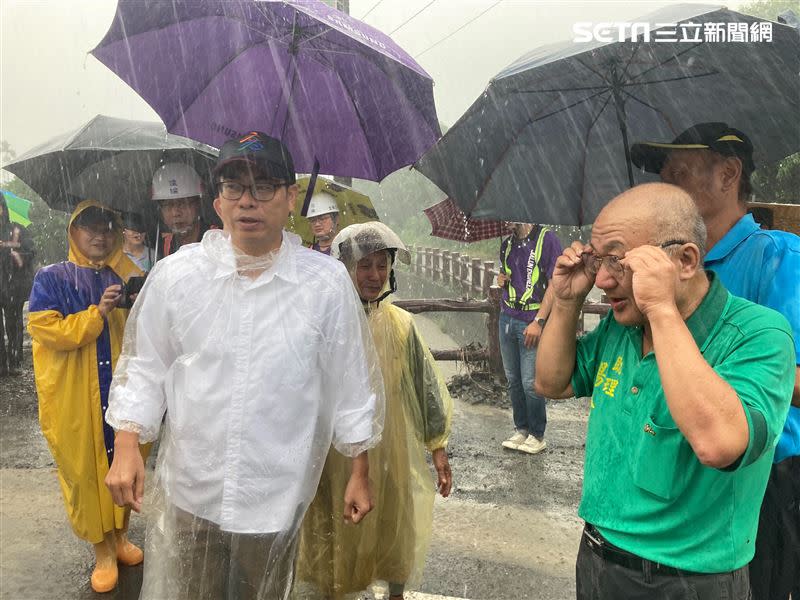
(117, 261)
(362, 239)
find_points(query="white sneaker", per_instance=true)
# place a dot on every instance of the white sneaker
(532, 445)
(515, 440)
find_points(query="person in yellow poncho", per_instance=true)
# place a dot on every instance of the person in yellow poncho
(389, 545)
(77, 331)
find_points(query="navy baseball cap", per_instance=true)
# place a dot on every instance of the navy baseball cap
(268, 154)
(718, 137)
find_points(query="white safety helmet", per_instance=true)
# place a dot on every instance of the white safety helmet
(176, 180)
(322, 203)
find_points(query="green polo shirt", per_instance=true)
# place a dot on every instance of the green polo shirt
(644, 488)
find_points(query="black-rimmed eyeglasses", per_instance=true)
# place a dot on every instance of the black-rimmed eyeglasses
(262, 191)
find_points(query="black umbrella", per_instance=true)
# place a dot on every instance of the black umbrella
(549, 140)
(107, 159)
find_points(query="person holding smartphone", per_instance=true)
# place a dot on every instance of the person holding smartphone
(76, 326)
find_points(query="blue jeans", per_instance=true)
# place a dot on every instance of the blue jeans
(519, 364)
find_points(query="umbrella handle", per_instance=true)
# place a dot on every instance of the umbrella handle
(312, 183)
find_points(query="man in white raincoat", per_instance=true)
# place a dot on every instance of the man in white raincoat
(258, 351)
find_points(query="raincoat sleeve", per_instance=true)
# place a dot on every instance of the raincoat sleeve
(353, 372)
(436, 404)
(49, 327)
(137, 401)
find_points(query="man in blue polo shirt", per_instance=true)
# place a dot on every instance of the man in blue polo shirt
(713, 163)
(689, 386)
(527, 257)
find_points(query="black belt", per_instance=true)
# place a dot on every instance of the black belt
(602, 548)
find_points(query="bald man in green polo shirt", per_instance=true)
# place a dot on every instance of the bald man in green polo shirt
(689, 390)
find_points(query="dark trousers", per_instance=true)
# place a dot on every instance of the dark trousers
(597, 578)
(775, 569)
(215, 564)
(10, 335)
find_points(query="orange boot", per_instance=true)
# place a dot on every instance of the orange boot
(128, 553)
(105, 574)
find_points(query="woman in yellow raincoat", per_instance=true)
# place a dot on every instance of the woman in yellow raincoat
(77, 331)
(391, 543)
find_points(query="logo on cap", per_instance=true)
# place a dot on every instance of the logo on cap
(251, 143)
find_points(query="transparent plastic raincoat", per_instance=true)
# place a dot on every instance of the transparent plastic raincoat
(391, 543)
(257, 378)
(74, 353)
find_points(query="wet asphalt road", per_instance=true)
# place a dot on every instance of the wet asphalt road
(509, 530)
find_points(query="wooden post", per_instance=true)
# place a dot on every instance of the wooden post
(455, 273)
(465, 275)
(488, 277)
(418, 260)
(476, 276)
(446, 267)
(493, 326)
(429, 262)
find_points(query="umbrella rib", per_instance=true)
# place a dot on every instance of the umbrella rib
(670, 79)
(511, 143)
(630, 60)
(564, 108)
(270, 18)
(586, 156)
(673, 57)
(651, 107)
(600, 74)
(74, 136)
(560, 90)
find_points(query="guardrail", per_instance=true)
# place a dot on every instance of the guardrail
(474, 278)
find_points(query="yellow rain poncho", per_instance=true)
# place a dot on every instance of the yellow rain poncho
(74, 353)
(391, 543)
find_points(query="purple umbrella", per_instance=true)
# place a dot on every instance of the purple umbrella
(331, 87)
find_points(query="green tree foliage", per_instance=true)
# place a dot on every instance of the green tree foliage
(778, 182)
(770, 9)
(48, 227)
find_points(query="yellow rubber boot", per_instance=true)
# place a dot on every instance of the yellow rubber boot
(105, 574)
(128, 553)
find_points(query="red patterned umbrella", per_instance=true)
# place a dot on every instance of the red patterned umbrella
(448, 221)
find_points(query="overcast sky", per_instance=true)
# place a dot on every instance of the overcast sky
(50, 84)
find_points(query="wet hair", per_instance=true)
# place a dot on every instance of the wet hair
(134, 222)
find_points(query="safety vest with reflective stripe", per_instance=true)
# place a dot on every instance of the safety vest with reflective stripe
(523, 303)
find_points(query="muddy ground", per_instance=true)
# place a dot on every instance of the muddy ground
(509, 530)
